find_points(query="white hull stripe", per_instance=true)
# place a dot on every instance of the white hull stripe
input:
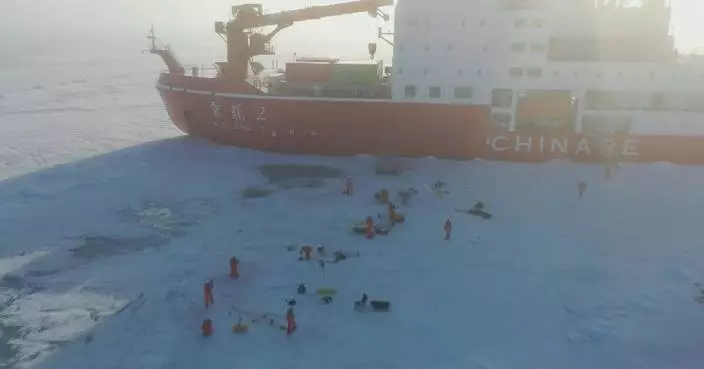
(293, 98)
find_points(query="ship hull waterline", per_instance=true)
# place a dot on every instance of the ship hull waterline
(234, 115)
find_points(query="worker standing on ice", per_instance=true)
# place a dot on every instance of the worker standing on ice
(349, 188)
(234, 267)
(448, 228)
(581, 187)
(392, 214)
(369, 227)
(290, 321)
(208, 293)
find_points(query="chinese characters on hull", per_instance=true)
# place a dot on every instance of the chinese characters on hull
(239, 121)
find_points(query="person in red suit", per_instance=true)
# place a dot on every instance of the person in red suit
(369, 228)
(290, 321)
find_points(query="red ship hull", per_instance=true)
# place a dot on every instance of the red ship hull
(236, 114)
(232, 114)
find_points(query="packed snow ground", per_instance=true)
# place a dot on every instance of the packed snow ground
(117, 247)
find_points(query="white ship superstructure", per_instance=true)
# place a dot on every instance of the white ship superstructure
(560, 65)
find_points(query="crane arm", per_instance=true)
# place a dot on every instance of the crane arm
(314, 12)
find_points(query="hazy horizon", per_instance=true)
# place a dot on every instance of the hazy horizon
(106, 26)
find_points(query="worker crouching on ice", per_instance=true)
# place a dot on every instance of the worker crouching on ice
(392, 214)
(306, 250)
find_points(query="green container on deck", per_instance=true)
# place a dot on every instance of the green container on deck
(357, 73)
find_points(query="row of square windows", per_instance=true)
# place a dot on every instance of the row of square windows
(538, 72)
(460, 92)
(517, 22)
(517, 47)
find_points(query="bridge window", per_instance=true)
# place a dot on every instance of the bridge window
(410, 91)
(535, 72)
(515, 72)
(463, 92)
(434, 92)
(518, 47)
(537, 48)
(520, 22)
(501, 120)
(501, 98)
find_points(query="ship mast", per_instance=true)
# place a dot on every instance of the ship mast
(165, 53)
(243, 43)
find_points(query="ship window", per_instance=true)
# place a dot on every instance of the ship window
(401, 46)
(425, 71)
(619, 74)
(537, 48)
(434, 92)
(485, 48)
(400, 70)
(410, 91)
(576, 73)
(535, 72)
(482, 23)
(426, 23)
(459, 72)
(463, 92)
(518, 47)
(413, 22)
(515, 72)
(556, 73)
(426, 47)
(520, 22)
(537, 23)
(598, 74)
(652, 75)
(450, 47)
(501, 120)
(463, 23)
(501, 98)
(479, 72)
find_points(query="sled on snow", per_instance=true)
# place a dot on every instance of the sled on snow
(476, 212)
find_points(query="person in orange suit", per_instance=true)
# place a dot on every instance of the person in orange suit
(290, 321)
(207, 327)
(234, 267)
(306, 250)
(348, 187)
(448, 228)
(208, 293)
(369, 228)
(392, 214)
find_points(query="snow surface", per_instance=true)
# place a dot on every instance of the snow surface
(110, 222)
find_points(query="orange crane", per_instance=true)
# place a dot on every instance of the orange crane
(243, 42)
